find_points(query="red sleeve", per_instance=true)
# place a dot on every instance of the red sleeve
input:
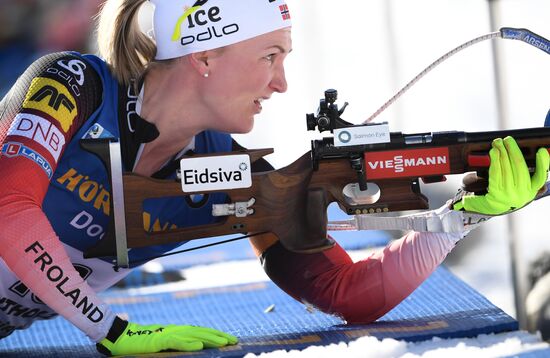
(362, 291)
(38, 118)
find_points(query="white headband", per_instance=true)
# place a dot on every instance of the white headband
(182, 27)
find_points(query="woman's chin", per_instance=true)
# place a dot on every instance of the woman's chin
(246, 127)
(242, 126)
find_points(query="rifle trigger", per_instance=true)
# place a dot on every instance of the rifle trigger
(240, 209)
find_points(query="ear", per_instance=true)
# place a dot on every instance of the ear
(199, 61)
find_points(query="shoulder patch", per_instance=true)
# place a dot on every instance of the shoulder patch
(39, 130)
(53, 98)
(15, 149)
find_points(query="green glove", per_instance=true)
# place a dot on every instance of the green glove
(129, 338)
(510, 184)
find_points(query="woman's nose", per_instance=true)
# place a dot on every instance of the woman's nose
(278, 82)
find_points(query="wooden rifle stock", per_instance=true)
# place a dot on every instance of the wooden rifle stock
(292, 202)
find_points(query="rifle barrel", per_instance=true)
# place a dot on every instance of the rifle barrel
(325, 149)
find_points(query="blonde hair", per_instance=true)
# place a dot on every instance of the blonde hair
(125, 48)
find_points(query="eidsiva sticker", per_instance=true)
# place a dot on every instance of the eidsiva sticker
(215, 173)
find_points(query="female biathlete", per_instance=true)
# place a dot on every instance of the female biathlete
(199, 74)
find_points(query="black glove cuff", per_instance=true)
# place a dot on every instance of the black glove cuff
(119, 325)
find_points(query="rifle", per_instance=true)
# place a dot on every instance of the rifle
(364, 168)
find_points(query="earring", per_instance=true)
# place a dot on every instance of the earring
(206, 75)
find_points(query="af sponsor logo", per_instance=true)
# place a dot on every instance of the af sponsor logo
(209, 18)
(53, 98)
(39, 130)
(215, 173)
(14, 149)
(407, 163)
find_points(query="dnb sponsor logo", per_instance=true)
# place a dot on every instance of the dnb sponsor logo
(53, 98)
(39, 130)
(407, 163)
(13, 149)
(196, 16)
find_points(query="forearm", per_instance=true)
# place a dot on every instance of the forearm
(363, 291)
(409, 261)
(33, 252)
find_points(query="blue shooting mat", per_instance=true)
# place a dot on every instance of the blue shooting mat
(443, 306)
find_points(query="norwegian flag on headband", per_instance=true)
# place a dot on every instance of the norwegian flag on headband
(284, 12)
